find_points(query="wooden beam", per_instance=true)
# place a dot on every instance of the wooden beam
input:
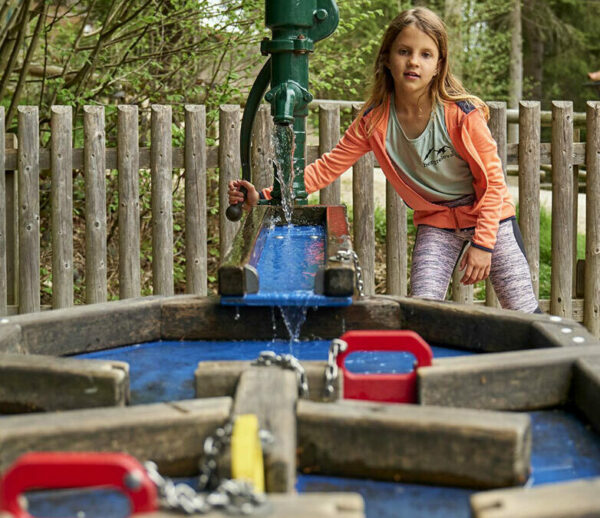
(170, 434)
(586, 389)
(409, 443)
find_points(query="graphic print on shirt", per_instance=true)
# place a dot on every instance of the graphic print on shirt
(437, 155)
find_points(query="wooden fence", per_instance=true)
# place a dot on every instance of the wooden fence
(20, 216)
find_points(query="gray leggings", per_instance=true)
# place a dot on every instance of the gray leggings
(437, 252)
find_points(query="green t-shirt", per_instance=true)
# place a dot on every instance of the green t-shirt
(429, 163)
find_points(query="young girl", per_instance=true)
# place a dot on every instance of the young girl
(431, 140)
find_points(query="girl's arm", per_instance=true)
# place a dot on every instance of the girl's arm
(347, 151)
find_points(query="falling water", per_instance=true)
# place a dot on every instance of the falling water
(283, 161)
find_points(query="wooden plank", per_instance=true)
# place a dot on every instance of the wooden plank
(562, 209)
(32, 383)
(196, 250)
(586, 387)
(62, 206)
(220, 378)
(329, 134)
(524, 380)
(315, 505)
(170, 434)
(91, 327)
(574, 499)
(410, 443)
(559, 332)
(4, 279)
(229, 169)
(128, 164)
(162, 201)
(271, 394)
(96, 283)
(364, 215)
(10, 337)
(591, 316)
(529, 186)
(261, 152)
(396, 243)
(29, 210)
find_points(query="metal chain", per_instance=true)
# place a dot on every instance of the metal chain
(331, 369)
(347, 255)
(286, 361)
(233, 496)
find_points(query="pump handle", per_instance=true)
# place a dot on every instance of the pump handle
(234, 212)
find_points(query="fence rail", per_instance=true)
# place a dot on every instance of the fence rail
(20, 220)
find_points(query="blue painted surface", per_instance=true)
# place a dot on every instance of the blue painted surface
(287, 265)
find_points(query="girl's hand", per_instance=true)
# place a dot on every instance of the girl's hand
(476, 264)
(236, 196)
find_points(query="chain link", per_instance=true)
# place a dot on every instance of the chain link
(347, 255)
(331, 369)
(286, 361)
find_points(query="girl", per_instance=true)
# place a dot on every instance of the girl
(431, 140)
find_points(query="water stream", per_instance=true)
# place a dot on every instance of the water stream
(283, 140)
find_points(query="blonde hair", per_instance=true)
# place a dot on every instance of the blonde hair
(444, 86)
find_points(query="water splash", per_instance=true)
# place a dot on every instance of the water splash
(293, 318)
(283, 139)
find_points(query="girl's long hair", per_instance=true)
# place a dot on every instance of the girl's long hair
(444, 86)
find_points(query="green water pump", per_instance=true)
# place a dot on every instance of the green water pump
(296, 25)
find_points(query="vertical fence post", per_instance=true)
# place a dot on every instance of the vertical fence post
(396, 243)
(161, 165)
(262, 149)
(128, 165)
(529, 186)
(3, 236)
(562, 209)
(61, 165)
(195, 200)
(498, 129)
(29, 209)
(591, 302)
(575, 180)
(329, 134)
(364, 215)
(229, 169)
(95, 204)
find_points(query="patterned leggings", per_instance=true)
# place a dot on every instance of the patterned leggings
(437, 252)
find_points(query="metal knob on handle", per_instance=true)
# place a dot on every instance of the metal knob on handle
(234, 212)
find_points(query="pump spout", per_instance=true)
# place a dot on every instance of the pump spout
(286, 100)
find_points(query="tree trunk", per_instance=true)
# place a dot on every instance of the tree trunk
(516, 66)
(453, 19)
(533, 59)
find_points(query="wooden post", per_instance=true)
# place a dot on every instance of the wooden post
(329, 134)
(562, 209)
(229, 169)
(3, 235)
(162, 203)
(529, 186)
(128, 164)
(195, 200)
(261, 157)
(95, 205)
(29, 210)
(396, 243)
(62, 206)
(497, 126)
(364, 215)
(591, 300)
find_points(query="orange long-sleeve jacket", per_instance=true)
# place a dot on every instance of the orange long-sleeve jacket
(472, 140)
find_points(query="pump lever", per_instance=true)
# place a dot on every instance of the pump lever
(234, 212)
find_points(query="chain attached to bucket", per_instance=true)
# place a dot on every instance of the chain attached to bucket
(331, 369)
(347, 255)
(285, 361)
(232, 496)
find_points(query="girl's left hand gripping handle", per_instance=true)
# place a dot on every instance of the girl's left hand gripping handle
(234, 212)
(61, 470)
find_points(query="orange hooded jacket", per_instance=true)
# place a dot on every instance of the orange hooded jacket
(472, 140)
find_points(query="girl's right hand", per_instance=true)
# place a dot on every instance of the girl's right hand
(236, 196)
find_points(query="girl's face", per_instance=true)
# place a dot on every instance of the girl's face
(413, 61)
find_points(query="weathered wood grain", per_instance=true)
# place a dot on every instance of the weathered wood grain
(526, 380)
(261, 152)
(128, 164)
(576, 499)
(329, 134)
(196, 249)
(585, 391)
(170, 434)
(271, 394)
(396, 244)
(162, 202)
(62, 206)
(33, 383)
(410, 443)
(10, 337)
